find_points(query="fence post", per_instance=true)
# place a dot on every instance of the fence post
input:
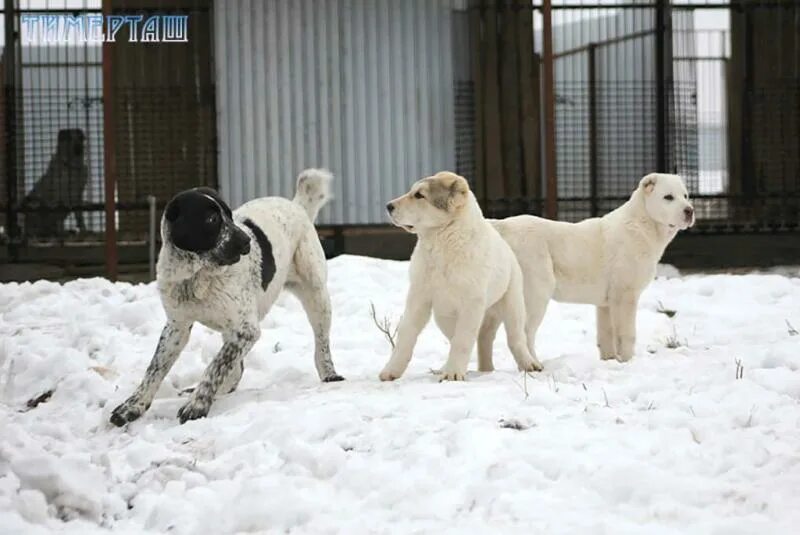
(551, 206)
(663, 80)
(151, 201)
(10, 87)
(593, 158)
(109, 162)
(748, 177)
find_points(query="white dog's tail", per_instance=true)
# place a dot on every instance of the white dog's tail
(313, 190)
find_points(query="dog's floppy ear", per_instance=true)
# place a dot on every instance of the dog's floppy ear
(459, 192)
(211, 192)
(449, 191)
(648, 183)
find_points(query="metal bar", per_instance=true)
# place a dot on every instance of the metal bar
(151, 200)
(109, 162)
(62, 65)
(613, 41)
(85, 207)
(622, 198)
(9, 82)
(477, 69)
(701, 58)
(683, 7)
(551, 204)
(593, 158)
(661, 86)
(749, 179)
(87, 11)
(57, 10)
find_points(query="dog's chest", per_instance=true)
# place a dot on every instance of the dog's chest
(203, 299)
(449, 282)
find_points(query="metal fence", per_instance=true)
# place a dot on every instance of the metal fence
(707, 89)
(92, 131)
(381, 90)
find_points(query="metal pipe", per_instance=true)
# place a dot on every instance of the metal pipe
(606, 42)
(151, 199)
(9, 85)
(595, 6)
(662, 27)
(109, 162)
(551, 204)
(748, 179)
(593, 157)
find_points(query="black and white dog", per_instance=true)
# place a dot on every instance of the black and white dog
(225, 270)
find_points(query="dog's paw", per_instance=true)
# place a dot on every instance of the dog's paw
(129, 411)
(389, 375)
(624, 358)
(451, 374)
(532, 365)
(608, 357)
(333, 378)
(193, 410)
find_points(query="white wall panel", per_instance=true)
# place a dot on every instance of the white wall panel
(363, 87)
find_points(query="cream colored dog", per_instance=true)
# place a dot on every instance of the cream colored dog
(461, 269)
(605, 261)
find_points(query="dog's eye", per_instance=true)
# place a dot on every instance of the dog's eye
(669, 197)
(419, 195)
(212, 218)
(685, 195)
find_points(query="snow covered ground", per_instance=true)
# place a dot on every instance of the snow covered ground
(671, 442)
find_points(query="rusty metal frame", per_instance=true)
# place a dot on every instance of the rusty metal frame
(551, 202)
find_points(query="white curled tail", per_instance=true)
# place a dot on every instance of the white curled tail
(313, 190)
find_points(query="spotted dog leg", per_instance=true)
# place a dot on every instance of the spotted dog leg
(173, 339)
(232, 380)
(236, 345)
(230, 383)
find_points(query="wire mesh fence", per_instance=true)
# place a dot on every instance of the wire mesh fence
(154, 113)
(61, 171)
(729, 93)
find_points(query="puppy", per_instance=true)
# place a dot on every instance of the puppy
(462, 270)
(606, 262)
(225, 270)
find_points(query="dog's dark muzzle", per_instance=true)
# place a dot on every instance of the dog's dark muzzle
(234, 247)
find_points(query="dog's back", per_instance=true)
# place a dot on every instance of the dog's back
(284, 228)
(312, 193)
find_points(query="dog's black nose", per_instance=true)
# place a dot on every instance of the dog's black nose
(689, 212)
(390, 208)
(241, 240)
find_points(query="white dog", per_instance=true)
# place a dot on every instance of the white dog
(605, 261)
(207, 273)
(461, 269)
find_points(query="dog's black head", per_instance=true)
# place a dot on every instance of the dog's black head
(199, 221)
(71, 143)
